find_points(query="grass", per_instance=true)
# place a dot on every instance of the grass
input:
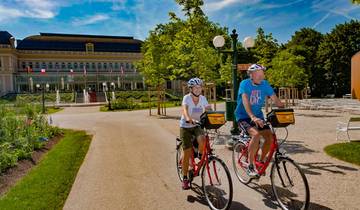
(349, 152)
(52, 110)
(48, 184)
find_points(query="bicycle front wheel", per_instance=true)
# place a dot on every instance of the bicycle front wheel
(179, 152)
(240, 162)
(289, 184)
(217, 184)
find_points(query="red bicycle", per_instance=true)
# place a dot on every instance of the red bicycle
(216, 180)
(288, 181)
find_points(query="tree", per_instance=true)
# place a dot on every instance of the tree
(287, 70)
(184, 48)
(181, 49)
(265, 47)
(334, 56)
(305, 43)
(355, 1)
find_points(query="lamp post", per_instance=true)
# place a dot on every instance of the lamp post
(42, 88)
(219, 42)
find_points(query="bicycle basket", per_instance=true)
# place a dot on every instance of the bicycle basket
(213, 119)
(281, 117)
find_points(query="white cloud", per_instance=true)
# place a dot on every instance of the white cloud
(217, 5)
(339, 7)
(9, 13)
(321, 20)
(90, 20)
(42, 9)
(275, 6)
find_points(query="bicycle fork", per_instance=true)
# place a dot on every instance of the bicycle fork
(281, 175)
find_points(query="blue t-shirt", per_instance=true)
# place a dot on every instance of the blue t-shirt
(256, 94)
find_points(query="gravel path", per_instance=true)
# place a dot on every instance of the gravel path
(131, 163)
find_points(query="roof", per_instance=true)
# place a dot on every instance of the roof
(5, 37)
(77, 42)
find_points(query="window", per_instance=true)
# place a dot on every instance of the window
(105, 65)
(93, 66)
(23, 64)
(30, 64)
(89, 47)
(63, 66)
(43, 65)
(81, 65)
(37, 65)
(99, 65)
(126, 66)
(139, 86)
(69, 65)
(50, 65)
(0, 62)
(57, 65)
(110, 65)
(75, 65)
(87, 66)
(116, 65)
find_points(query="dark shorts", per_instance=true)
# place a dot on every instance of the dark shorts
(246, 124)
(188, 134)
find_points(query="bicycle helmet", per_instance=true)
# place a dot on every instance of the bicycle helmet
(256, 67)
(194, 81)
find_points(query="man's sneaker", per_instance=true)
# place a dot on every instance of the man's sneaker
(251, 171)
(185, 184)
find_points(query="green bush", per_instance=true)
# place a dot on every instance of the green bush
(22, 130)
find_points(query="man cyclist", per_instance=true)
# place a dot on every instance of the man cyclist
(193, 105)
(251, 98)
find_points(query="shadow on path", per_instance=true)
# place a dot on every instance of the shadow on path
(200, 198)
(270, 200)
(314, 168)
(295, 147)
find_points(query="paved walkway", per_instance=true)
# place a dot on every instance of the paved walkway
(131, 163)
(340, 105)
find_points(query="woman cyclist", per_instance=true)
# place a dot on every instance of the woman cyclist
(193, 105)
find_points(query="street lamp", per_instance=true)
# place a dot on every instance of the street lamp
(38, 86)
(219, 42)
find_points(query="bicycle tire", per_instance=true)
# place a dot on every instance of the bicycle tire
(178, 163)
(212, 190)
(283, 180)
(238, 157)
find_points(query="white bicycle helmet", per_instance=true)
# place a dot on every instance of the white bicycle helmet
(256, 67)
(194, 81)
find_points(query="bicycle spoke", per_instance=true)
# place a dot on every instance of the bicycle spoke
(240, 162)
(217, 184)
(289, 184)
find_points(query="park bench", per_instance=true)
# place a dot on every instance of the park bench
(348, 96)
(344, 127)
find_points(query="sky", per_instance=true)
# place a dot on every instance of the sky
(136, 18)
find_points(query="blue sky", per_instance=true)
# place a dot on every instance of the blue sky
(135, 18)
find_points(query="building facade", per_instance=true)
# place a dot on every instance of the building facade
(68, 62)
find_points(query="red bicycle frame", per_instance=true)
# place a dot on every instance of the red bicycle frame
(261, 167)
(204, 159)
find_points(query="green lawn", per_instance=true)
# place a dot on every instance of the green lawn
(349, 152)
(48, 184)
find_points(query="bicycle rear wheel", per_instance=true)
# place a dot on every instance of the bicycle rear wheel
(240, 162)
(179, 152)
(289, 184)
(217, 184)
